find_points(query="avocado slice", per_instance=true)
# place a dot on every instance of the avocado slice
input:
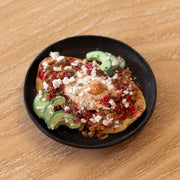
(39, 104)
(49, 109)
(109, 63)
(122, 63)
(61, 118)
(101, 57)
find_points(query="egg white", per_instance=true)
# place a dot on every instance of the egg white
(78, 91)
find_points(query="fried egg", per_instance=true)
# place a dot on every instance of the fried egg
(87, 90)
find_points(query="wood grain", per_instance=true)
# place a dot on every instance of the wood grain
(152, 27)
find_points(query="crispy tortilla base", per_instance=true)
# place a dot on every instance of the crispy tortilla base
(140, 101)
(39, 85)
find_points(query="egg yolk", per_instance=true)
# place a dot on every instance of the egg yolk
(96, 87)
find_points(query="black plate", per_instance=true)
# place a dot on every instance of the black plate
(78, 46)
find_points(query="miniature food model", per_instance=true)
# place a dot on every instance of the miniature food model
(95, 95)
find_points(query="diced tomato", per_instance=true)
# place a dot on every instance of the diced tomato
(105, 101)
(131, 107)
(122, 86)
(127, 97)
(77, 120)
(89, 67)
(118, 95)
(123, 116)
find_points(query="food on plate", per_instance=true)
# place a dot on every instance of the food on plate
(96, 95)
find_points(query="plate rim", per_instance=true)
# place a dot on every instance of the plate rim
(94, 146)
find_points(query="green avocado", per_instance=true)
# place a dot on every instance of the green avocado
(39, 104)
(62, 118)
(101, 57)
(122, 63)
(109, 63)
(49, 109)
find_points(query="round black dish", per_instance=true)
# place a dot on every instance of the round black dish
(78, 46)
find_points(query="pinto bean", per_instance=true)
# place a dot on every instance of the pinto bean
(81, 127)
(51, 62)
(91, 134)
(92, 128)
(84, 133)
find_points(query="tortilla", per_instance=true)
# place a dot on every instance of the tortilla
(140, 103)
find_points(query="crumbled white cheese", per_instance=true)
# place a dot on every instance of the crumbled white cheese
(105, 122)
(106, 108)
(54, 55)
(80, 75)
(126, 92)
(71, 79)
(57, 69)
(131, 93)
(40, 92)
(81, 94)
(109, 84)
(116, 126)
(75, 63)
(93, 72)
(66, 80)
(45, 85)
(115, 76)
(109, 119)
(94, 63)
(126, 105)
(92, 120)
(95, 119)
(40, 107)
(68, 68)
(114, 63)
(116, 122)
(66, 120)
(56, 83)
(84, 69)
(60, 58)
(66, 108)
(40, 95)
(112, 103)
(83, 120)
(124, 101)
(44, 64)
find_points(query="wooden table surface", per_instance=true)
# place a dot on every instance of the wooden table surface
(152, 27)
